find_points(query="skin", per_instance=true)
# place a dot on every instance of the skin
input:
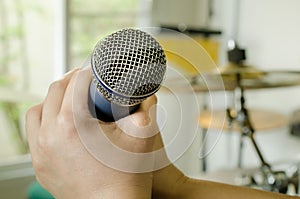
(67, 170)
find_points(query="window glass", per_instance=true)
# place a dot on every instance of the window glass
(91, 20)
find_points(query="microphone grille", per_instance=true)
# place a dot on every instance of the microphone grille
(129, 65)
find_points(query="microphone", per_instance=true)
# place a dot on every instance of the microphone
(128, 66)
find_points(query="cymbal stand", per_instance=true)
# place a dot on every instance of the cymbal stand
(273, 181)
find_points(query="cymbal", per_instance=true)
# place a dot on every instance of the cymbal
(261, 120)
(225, 79)
(245, 71)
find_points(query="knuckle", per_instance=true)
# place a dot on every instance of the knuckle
(66, 117)
(41, 141)
(47, 142)
(56, 85)
(66, 121)
(44, 144)
(31, 111)
(77, 72)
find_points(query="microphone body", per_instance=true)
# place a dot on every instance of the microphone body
(105, 110)
(128, 66)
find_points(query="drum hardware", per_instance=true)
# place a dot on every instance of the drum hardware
(262, 119)
(224, 78)
(276, 181)
(245, 124)
(295, 123)
(238, 77)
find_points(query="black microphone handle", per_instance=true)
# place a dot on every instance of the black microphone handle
(105, 110)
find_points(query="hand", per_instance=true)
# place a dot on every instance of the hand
(62, 163)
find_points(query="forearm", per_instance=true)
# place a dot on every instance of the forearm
(165, 182)
(193, 189)
(139, 187)
(124, 192)
(171, 183)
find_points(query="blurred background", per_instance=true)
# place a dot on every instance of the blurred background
(41, 40)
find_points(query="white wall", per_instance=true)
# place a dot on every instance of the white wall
(270, 30)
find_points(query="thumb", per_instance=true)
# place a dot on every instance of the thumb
(142, 123)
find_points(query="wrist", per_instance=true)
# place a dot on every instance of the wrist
(124, 192)
(137, 186)
(167, 183)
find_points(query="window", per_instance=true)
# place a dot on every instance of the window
(91, 20)
(26, 47)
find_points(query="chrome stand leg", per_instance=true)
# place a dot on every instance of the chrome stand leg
(204, 159)
(241, 147)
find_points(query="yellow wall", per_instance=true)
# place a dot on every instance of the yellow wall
(193, 55)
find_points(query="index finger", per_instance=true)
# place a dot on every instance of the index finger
(33, 124)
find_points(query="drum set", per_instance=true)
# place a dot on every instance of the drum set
(239, 78)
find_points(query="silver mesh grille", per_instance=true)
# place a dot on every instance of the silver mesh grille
(129, 66)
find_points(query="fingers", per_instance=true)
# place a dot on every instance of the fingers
(33, 124)
(76, 96)
(67, 101)
(54, 98)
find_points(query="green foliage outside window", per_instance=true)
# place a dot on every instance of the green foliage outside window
(91, 20)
